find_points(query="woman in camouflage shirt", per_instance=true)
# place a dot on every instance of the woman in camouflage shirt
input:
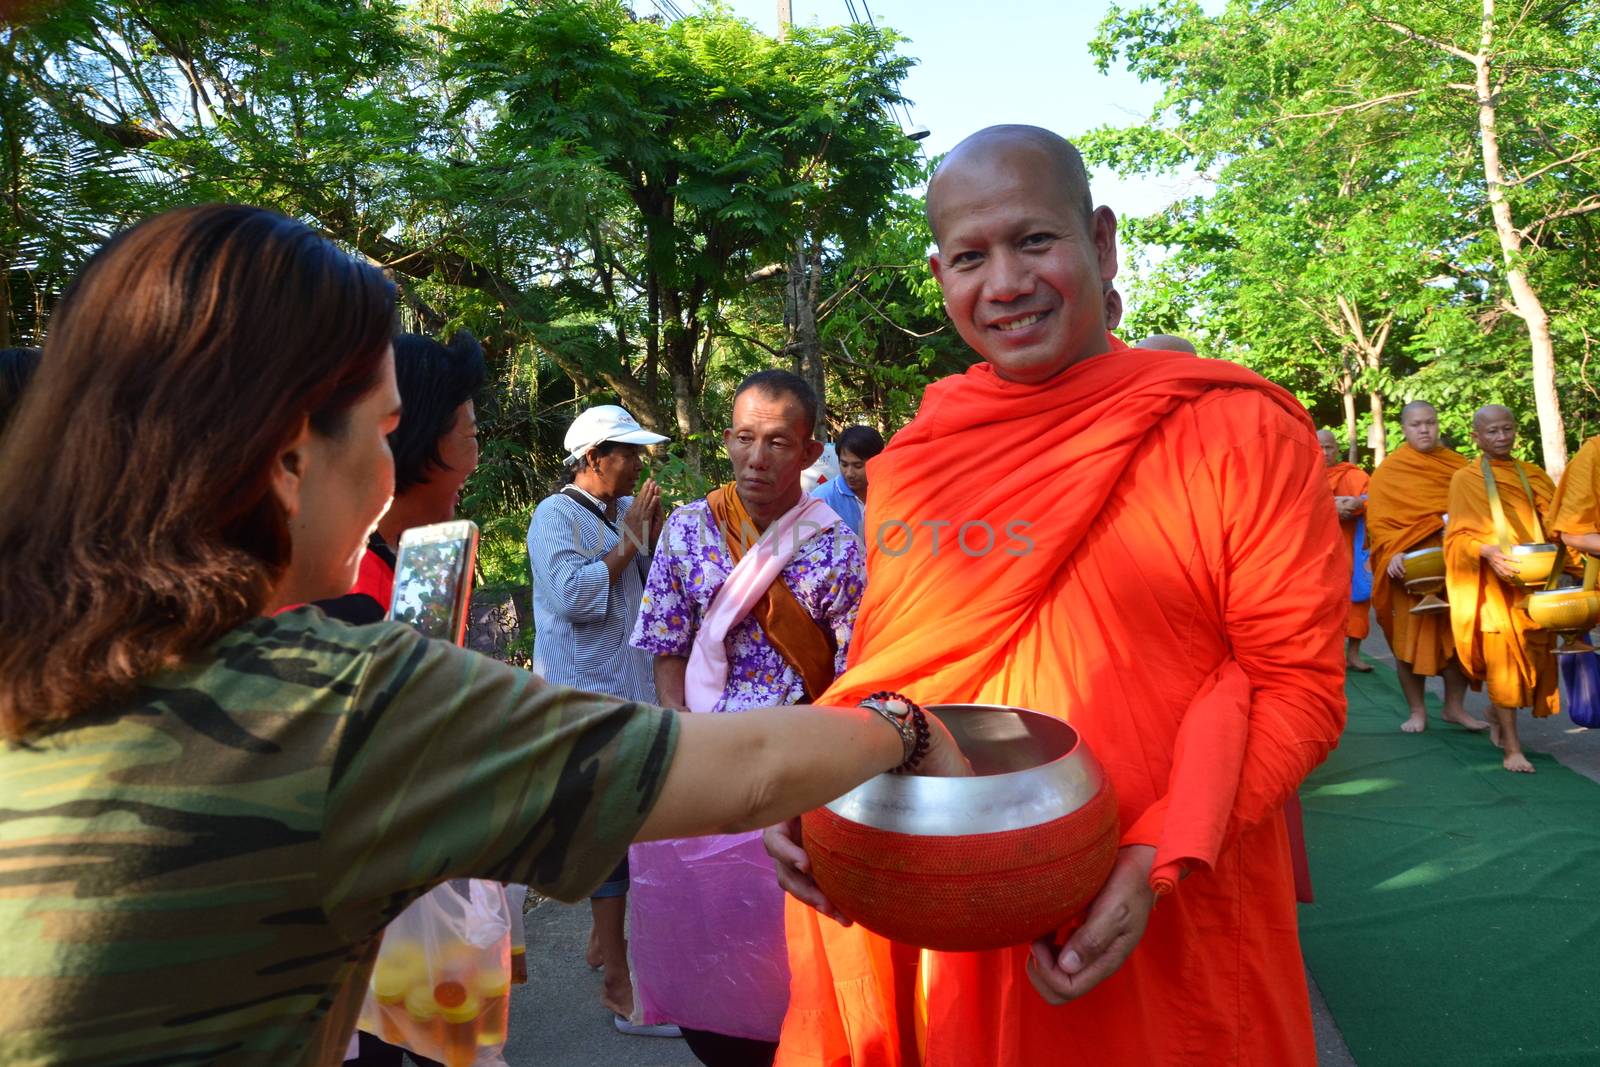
(208, 810)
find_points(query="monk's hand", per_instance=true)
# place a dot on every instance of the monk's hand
(1502, 563)
(794, 869)
(1396, 567)
(1114, 925)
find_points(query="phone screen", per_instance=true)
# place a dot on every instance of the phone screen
(431, 581)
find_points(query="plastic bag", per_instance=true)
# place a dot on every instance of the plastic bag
(441, 985)
(1361, 571)
(1580, 677)
(705, 936)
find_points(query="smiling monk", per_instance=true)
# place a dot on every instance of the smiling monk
(1172, 583)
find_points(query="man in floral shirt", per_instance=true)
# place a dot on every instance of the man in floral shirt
(707, 916)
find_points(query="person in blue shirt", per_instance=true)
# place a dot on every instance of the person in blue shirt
(847, 494)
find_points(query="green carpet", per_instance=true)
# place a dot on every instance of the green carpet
(1458, 906)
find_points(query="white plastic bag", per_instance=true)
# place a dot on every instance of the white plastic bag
(442, 982)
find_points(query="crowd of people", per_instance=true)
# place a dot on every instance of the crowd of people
(226, 773)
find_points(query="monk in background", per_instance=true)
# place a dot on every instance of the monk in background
(1168, 342)
(1407, 500)
(1348, 483)
(1496, 642)
(1575, 509)
(1180, 598)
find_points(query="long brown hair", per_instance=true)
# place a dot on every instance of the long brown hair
(139, 523)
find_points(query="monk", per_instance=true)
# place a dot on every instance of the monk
(1575, 509)
(1406, 505)
(1495, 640)
(1167, 342)
(1348, 484)
(1156, 562)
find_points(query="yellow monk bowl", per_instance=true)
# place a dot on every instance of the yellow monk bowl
(1564, 611)
(1423, 570)
(1534, 562)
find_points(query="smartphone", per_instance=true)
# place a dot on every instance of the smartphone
(433, 579)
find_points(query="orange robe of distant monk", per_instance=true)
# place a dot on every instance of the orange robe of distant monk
(1409, 493)
(1347, 479)
(1496, 642)
(1575, 509)
(1166, 574)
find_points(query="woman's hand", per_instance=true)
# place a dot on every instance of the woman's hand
(783, 842)
(1114, 925)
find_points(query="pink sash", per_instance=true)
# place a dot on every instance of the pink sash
(749, 581)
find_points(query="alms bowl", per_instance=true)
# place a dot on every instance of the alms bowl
(960, 864)
(1564, 610)
(1534, 562)
(1423, 569)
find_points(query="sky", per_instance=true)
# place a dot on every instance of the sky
(979, 64)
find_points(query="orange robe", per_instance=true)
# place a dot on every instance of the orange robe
(1406, 500)
(1347, 479)
(1575, 509)
(1495, 640)
(1167, 576)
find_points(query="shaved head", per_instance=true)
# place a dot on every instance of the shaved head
(1417, 406)
(1052, 155)
(1420, 424)
(1330, 447)
(1490, 413)
(1494, 430)
(1167, 342)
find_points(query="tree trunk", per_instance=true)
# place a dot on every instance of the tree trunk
(1530, 308)
(800, 316)
(1347, 397)
(1379, 438)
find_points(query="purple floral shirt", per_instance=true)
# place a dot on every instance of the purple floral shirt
(692, 561)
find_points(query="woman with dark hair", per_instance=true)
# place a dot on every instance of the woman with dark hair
(435, 449)
(211, 809)
(847, 494)
(16, 369)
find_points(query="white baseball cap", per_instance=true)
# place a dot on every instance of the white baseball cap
(602, 423)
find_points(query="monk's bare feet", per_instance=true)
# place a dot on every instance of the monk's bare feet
(1359, 666)
(1517, 763)
(1463, 720)
(1416, 724)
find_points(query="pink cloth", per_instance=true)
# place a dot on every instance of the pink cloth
(706, 941)
(749, 582)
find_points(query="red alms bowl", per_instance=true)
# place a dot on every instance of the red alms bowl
(1012, 854)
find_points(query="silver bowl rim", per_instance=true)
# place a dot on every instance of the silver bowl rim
(1532, 548)
(916, 805)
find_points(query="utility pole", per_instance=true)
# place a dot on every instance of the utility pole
(801, 293)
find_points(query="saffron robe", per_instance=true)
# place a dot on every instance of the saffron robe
(1495, 640)
(1347, 479)
(1406, 501)
(1163, 571)
(1575, 508)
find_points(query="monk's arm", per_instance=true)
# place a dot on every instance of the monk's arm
(670, 672)
(1587, 542)
(1285, 611)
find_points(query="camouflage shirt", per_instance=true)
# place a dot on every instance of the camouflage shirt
(198, 877)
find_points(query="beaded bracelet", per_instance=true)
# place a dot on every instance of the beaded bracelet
(912, 725)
